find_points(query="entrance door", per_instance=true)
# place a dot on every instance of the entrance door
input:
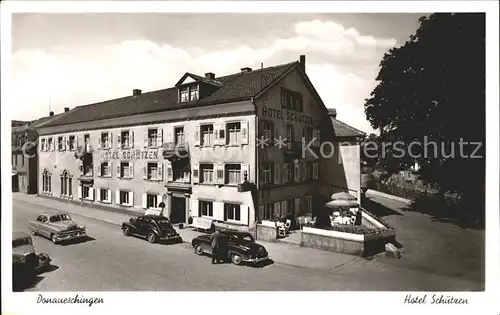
(178, 214)
(15, 183)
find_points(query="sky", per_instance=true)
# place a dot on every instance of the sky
(67, 60)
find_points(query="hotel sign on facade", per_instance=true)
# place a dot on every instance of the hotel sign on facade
(136, 154)
(286, 115)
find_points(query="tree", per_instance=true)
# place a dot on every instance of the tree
(432, 90)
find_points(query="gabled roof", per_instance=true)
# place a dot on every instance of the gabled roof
(45, 120)
(234, 88)
(344, 130)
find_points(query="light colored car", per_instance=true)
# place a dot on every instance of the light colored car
(57, 226)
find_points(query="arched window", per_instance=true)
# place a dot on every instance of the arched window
(66, 184)
(46, 182)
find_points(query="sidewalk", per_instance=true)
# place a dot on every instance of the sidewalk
(280, 253)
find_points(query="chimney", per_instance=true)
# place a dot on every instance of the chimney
(210, 75)
(136, 92)
(302, 62)
(66, 109)
(246, 69)
(51, 113)
(332, 112)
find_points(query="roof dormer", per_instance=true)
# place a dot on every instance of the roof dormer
(192, 87)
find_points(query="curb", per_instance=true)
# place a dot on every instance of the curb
(389, 196)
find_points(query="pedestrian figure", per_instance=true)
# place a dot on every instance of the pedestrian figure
(214, 238)
(223, 247)
(162, 206)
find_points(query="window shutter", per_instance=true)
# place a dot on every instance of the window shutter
(131, 198)
(117, 196)
(160, 171)
(110, 169)
(245, 168)
(197, 135)
(64, 142)
(222, 134)
(146, 144)
(244, 132)
(145, 170)
(79, 192)
(119, 140)
(99, 194)
(277, 209)
(99, 142)
(160, 199)
(170, 173)
(277, 174)
(315, 171)
(195, 170)
(99, 168)
(76, 142)
(297, 207)
(131, 171)
(160, 137)
(53, 144)
(144, 201)
(297, 172)
(195, 207)
(216, 135)
(91, 193)
(219, 171)
(110, 140)
(131, 137)
(118, 170)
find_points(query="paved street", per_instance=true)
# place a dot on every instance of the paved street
(112, 262)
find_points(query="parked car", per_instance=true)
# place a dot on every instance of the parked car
(25, 262)
(57, 226)
(242, 247)
(152, 227)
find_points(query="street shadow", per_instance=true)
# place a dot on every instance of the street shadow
(376, 208)
(171, 242)
(262, 264)
(23, 282)
(80, 240)
(449, 211)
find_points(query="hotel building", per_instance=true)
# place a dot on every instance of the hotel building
(225, 148)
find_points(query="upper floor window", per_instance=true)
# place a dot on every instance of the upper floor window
(207, 173)
(233, 174)
(193, 93)
(153, 137)
(207, 135)
(105, 169)
(268, 131)
(72, 142)
(125, 170)
(60, 144)
(291, 100)
(105, 140)
(43, 145)
(267, 174)
(86, 141)
(184, 94)
(233, 133)
(179, 135)
(125, 140)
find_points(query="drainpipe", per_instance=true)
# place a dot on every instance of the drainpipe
(257, 181)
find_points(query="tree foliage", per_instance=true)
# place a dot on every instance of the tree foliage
(432, 90)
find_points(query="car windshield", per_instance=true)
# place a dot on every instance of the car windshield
(60, 217)
(21, 242)
(247, 238)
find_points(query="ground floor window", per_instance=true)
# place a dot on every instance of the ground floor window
(151, 201)
(268, 211)
(232, 212)
(104, 195)
(46, 182)
(206, 208)
(66, 184)
(85, 192)
(124, 198)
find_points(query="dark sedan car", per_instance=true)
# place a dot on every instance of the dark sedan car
(153, 227)
(242, 247)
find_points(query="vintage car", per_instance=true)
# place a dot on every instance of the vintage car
(242, 247)
(153, 227)
(57, 226)
(25, 262)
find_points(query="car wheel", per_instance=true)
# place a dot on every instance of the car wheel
(53, 238)
(236, 259)
(126, 231)
(198, 250)
(151, 238)
(33, 232)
